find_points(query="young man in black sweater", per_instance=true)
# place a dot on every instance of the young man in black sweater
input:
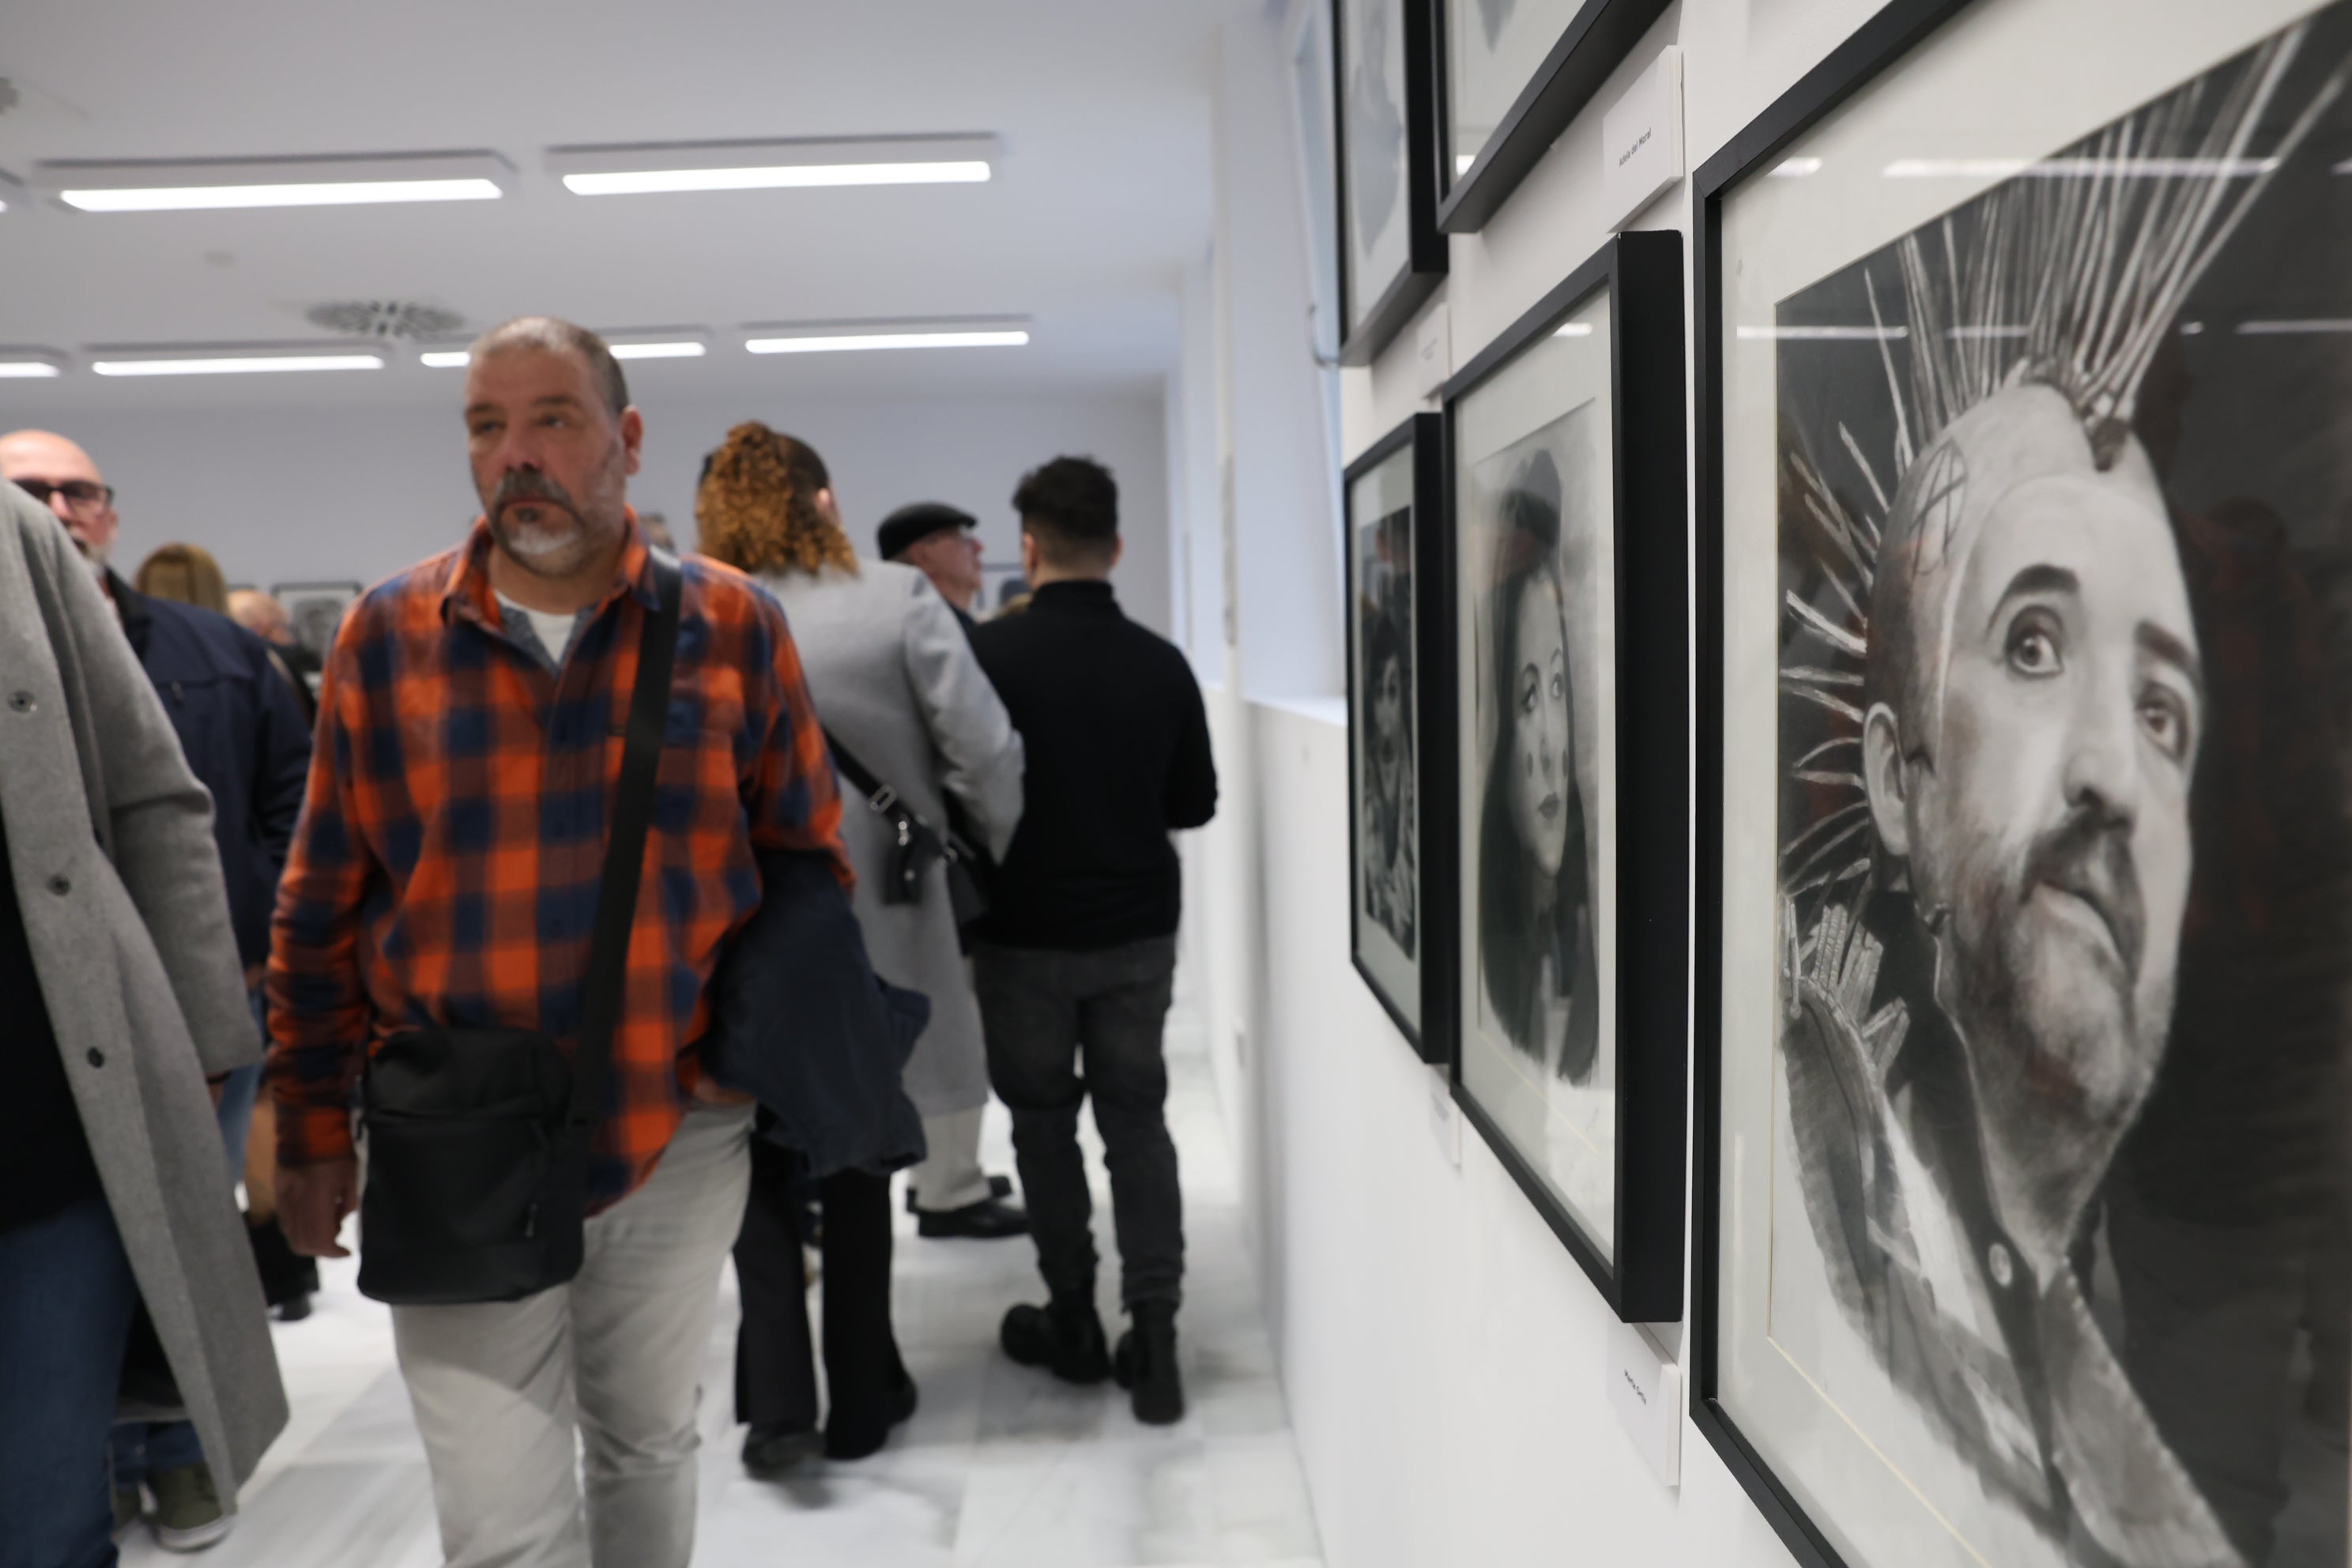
(1077, 957)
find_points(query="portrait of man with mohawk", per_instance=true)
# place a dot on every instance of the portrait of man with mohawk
(1997, 693)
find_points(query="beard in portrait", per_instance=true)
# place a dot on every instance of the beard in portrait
(1535, 909)
(1391, 857)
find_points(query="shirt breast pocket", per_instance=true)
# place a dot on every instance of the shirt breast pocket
(695, 785)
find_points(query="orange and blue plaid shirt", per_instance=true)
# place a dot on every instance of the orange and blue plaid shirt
(446, 869)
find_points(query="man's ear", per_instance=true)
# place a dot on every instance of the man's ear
(1028, 556)
(1883, 779)
(633, 436)
(1117, 548)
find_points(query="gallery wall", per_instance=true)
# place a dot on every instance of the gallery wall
(293, 494)
(1445, 1360)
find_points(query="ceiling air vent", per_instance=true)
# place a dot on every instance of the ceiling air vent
(384, 319)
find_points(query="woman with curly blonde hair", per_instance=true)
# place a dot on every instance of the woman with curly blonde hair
(901, 691)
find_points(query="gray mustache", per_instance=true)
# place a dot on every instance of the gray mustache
(529, 484)
(2088, 856)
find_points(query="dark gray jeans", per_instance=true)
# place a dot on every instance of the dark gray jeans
(1046, 1012)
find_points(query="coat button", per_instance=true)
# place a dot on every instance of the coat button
(97, 1058)
(61, 886)
(21, 701)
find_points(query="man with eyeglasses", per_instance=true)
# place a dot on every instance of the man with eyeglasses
(246, 740)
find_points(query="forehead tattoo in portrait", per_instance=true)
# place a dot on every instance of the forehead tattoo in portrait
(1996, 698)
(1534, 913)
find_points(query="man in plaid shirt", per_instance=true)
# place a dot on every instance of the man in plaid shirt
(446, 872)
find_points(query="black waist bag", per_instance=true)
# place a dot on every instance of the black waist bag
(478, 1140)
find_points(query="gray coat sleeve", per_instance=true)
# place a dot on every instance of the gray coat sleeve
(981, 749)
(161, 819)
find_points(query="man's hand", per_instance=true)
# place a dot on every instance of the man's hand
(711, 1091)
(311, 1202)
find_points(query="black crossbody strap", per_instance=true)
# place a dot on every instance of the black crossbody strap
(605, 984)
(861, 777)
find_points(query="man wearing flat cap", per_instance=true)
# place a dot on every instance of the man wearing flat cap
(938, 539)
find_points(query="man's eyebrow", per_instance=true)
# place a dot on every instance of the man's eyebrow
(2039, 578)
(562, 399)
(2159, 644)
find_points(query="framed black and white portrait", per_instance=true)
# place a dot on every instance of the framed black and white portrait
(1512, 74)
(2025, 591)
(315, 611)
(1391, 256)
(1395, 497)
(1565, 441)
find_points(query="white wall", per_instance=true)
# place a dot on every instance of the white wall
(285, 495)
(1444, 1358)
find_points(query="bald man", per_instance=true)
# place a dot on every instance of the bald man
(262, 615)
(246, 739)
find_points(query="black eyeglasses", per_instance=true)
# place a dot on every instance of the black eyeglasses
(78, 492)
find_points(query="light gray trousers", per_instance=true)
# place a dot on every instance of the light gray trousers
(499, 1388)
(951, 1177)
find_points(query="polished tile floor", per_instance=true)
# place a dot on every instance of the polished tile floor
(1001, 1467)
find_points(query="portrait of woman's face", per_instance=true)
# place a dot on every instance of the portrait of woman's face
(1541, 740)
(1388, 726)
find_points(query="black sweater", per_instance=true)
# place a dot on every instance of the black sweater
(1119, 757)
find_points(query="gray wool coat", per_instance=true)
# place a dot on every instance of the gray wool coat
(893, 677)
(119, 880)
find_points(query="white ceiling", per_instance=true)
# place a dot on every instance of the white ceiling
(1101, 197)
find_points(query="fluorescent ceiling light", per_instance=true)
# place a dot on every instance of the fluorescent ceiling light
(232, 359)
(446, 359)
(1575, 330)
(178, 184)
(906, 332)
(1828, 334)
(659, 342)
(1964, 334)
(2076, 168)
(1796, 168)
(30, 363)
(653, 168)
(1462, 161)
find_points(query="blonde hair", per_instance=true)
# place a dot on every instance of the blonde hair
(756, 507)
(186, 573)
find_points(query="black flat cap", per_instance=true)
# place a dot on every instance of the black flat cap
(910, 524)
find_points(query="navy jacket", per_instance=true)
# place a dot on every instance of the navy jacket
(800, 1022)
(243, 732)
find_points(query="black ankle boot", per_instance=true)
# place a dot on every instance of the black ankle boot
(1146, 1364)
(1064, 1337)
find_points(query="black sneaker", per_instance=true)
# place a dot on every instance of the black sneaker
(1065, 1338)
(1145, 1365)
(990, 1219)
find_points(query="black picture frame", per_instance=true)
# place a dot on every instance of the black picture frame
(1596, 39)
(300, 600)
(1879, 43)
(1644, 274)
(1398, 297)
(1424, 435)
